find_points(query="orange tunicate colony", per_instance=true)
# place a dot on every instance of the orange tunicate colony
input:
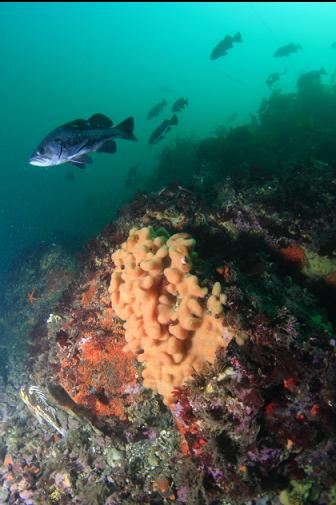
(171, 322)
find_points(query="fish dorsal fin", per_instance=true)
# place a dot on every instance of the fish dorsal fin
(76, 124)
(100, 121)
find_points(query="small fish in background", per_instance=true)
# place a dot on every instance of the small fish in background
(131, 176)
(233, 117)
(159, 132)
(287, 49)
(273, 78)
(179, 105)
(310, 79)
(39, 406)
(155, 111)
(332, 79)
(333, 45)
(72, 141)
(275, 92)
(224, 45)
(264, 107)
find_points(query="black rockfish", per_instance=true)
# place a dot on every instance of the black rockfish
(72, 141)
(286, 50)
(179, 105)
(223, 46)
(155, 111)
(159, 133)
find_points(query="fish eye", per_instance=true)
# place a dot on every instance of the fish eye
(41, 151)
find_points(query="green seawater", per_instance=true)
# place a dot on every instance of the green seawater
(62, 61)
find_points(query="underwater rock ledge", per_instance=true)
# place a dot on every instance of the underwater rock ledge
(257, 420)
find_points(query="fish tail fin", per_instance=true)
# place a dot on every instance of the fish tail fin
(186, 102)
(238, 37)
(164, 101)
(126, 127)
(174, 120)
(323, 71)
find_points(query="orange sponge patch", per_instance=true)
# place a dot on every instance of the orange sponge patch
(170, 320)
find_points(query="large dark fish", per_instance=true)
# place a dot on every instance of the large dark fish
(286, 50)
(72, 141)
(159, 133)
(179, 105)
(310, 80)
(223, 46)
(155, 111)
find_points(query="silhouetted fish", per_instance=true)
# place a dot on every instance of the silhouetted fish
(159, 133)
(309, 79)
(332, 80)
(232, 117)
(223, 46)
(179, 105)
(72, 141)
(286, 50)
(272, 78)
(155, 111)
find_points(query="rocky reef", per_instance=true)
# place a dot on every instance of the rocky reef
(191, 355)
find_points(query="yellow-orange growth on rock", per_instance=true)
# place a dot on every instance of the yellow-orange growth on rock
(169, 319)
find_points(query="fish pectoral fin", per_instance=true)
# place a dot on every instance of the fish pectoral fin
(98, 120)
(109, 147)
(83, 159)
(78, 165)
